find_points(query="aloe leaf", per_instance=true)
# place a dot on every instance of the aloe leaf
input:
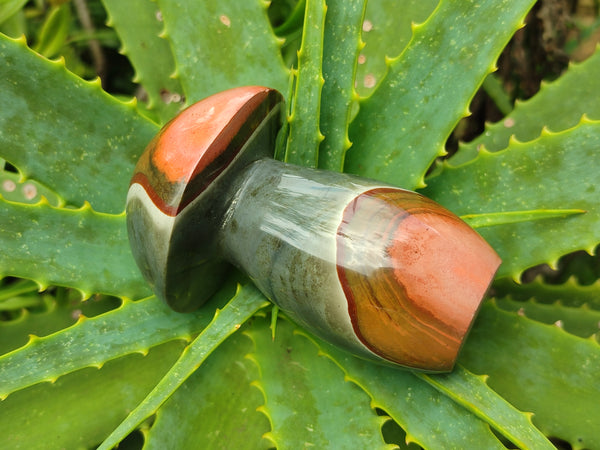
(569, 293)
(220, 45)
(15, 189)
(304, 135)
(403, 126)
(150, 55)
(58, 415)
(224, 323)
(492, 85)
(294, 19)
(386, 31)
(473, 393)
(83, 157)
(431, 419)
(559, 384)
(134, 327)
(571, 91)
(461, 387)
(580, 321)
(20, 303)
(341, 46)
(49, 315)
(18, 287)
(216, 407)
(55, 30)
(77, 248)
(296, 414)
(8, 8)
(504, 218)
(15, 25)
(528, 176)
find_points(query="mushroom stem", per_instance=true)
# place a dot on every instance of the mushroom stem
(383, 272)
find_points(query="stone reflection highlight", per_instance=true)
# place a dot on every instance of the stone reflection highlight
(382, 272)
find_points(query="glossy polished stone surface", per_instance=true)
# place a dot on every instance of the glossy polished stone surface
(382, 272)
(414, 275)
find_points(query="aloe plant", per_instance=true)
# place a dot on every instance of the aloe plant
(95, 356)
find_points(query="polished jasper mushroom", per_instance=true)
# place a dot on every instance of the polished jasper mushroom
(380, 271)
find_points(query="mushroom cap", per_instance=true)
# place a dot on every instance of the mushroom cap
(181, 187)
(414, 276)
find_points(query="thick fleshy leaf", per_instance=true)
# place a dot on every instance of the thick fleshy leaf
(386, 31)
(66, 132)
(150, 55)
(15, 189)
(535, 175)
(442, 412)
(80, 409)
(224, 323)
(304, 135)
(220, 45)
(341, 46)
(77, 248)
(474, 394)
(539, 368)
(54, 31)
(133, 328)
(430, 418)
(306, 399)
(8, 8)
(216, 407)
(573, 92)
(570, 293)
(48, 315)
(462, 387)
(504, 218)
(580, 321)
(403, 126)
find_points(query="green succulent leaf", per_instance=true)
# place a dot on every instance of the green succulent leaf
(50, 313)
(296, 415)
(571, 91)
(224, 323)
(193, 416)
(9, 8)
(386, 31)
(530, 176)
(19, 287)
(15, 189)
(121, 362)
(474, 394)
(132, 328)
(55, 30)
(431, 418)
(493, 87)
(52, 246)
(294, 19)
(304, 135)
(539, 368)
(504, 218)
(403, 126)
(580, 321)
(570, 293)
(81, 408)
(461, 387)
(220, 45)
(341, 46)
(150, 55)
(65, 132)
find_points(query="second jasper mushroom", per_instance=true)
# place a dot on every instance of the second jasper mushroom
(380, 271)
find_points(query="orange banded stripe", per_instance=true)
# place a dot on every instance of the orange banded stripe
(190, 153)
